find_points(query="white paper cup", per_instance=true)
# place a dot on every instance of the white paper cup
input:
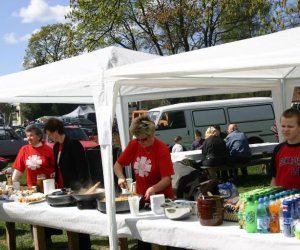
(134, 205)
(16, 185)
(129, 184)
(49, 186)
(156, 201)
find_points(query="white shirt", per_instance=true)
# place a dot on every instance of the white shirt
(177, 148)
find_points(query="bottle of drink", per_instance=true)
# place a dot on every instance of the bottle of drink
(280, 212)
(274, 210)
(241, 210)
(267, 202)
(262, 217)
(250, 215)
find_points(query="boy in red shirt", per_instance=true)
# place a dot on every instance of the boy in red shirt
(285, 163)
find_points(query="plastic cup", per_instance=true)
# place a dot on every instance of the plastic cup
(39, 182)
(156, 201)
(129, 184)
(134, 205)
(49, 186)
(16, 185)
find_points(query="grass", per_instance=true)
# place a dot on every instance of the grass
(256, 178)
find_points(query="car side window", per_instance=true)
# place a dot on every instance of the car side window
(172, 120)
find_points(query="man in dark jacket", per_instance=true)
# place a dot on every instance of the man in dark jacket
(238, 147)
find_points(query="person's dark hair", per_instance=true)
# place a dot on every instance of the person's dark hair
(178, 138)
(34, 129)
(291, 112)
(54, 124)
(198, 133)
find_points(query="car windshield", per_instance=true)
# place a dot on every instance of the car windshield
(76, 134)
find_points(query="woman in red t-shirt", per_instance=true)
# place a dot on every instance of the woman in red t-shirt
(35, 158)
(150, 159)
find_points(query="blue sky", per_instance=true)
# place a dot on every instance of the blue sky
(19, 19)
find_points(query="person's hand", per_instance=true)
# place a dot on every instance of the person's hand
(122, 183)
(150, 191)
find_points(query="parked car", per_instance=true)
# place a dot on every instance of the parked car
(20, 130)
(77, 133)
(10, 142)
(88, 126)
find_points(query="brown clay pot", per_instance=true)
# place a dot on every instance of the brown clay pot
(210, 210)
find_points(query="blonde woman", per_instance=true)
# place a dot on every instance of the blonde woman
(150, 159)
(214, 151)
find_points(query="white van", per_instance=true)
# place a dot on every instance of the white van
(253, 116)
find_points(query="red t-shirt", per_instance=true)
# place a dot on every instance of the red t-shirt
(149, 165)
(288, 166)
(35, 160)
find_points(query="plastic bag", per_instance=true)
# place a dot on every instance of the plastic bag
(228, 190)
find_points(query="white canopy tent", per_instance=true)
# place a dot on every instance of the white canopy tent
(77, 80)
(270, 62)
(81, 110)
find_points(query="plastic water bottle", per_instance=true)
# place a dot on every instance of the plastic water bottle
(267, 202)
(274, 210)
(250, 215)
(262, 217)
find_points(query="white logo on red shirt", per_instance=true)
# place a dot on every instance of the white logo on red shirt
(33, 162)
(142, 166)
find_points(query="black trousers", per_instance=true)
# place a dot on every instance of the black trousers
(84, 241)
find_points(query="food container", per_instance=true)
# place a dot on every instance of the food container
(210, 210)
(60, 198)
(177, 210)
(122, 204)
(98, 194)
(192, 204)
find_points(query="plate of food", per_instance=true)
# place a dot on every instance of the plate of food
(31, 199)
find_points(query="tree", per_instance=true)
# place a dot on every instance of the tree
(165, 26)
(36, 110)
(52, 43)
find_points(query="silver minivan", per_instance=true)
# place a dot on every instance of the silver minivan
(254, 117)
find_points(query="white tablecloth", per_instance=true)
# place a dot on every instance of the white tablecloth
(89, 221)
(257, 148)
(147, 227)
(191, 234)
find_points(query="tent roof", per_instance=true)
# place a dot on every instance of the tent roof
(80, 110)
(66, 81)
(273, 56)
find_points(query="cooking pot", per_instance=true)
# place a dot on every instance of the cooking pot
(122, 204)
(98, 194)
(60, 198)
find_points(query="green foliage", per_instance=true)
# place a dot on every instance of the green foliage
(166, 26)
(52, 43)
(35, 110)
(6, 109)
